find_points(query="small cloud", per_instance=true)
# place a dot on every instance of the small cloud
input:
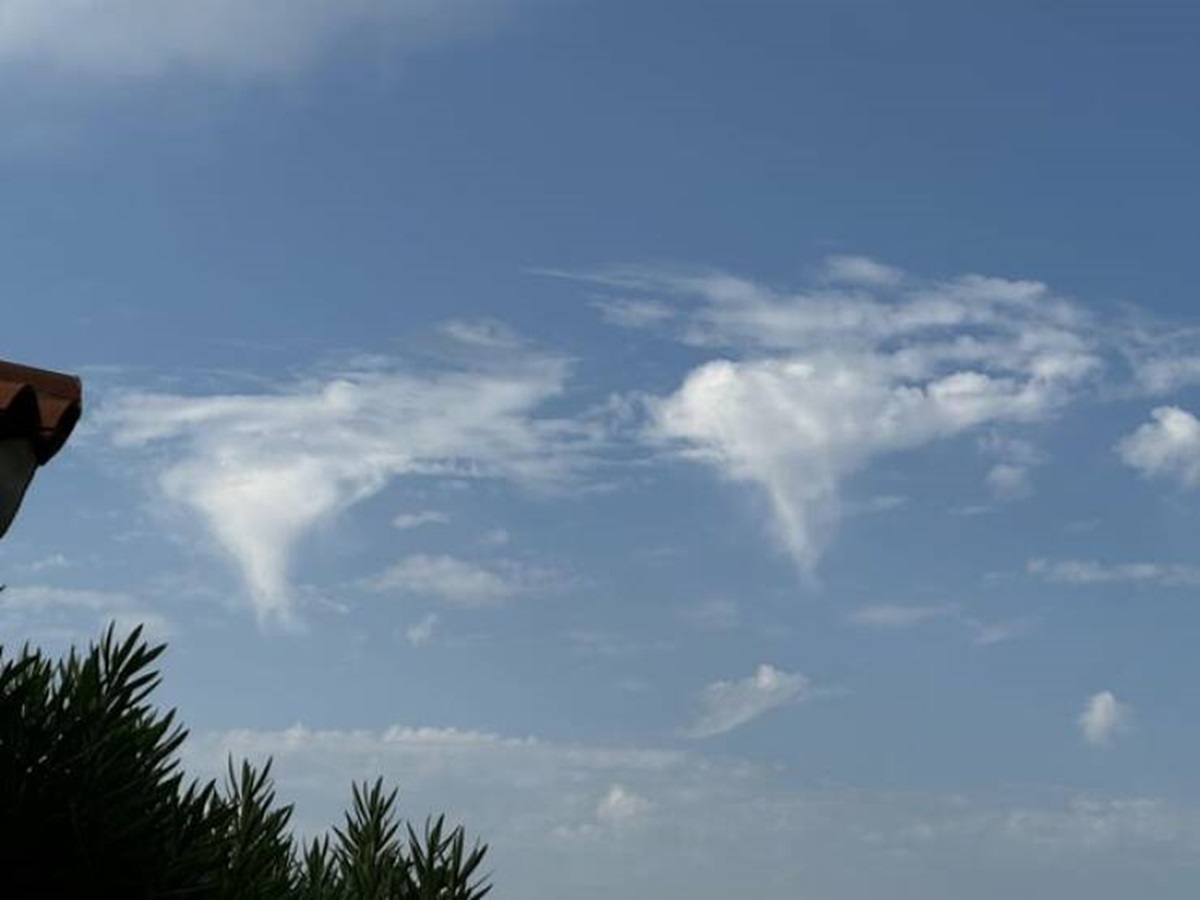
(726, 705)
(421, 632)
(405, 521)
(486, 333)
(459, 582)
(54, 561)
(497, 537)
(717, 614)
(861, 270)
(141, 40)
(1103, 718)
(1090, 572)
(633, 313)
(1008, 482)
(890, 615)
(1167, 447)
(621, 806)
(875, 505)
(984, 634)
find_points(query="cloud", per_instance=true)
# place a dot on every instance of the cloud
(726, 705)
(1087, 572)
(1103, 718)
(495, 537)
(1008, 482)
(814, 386)
(261, 470)
(460, 582)
(1167, 447)
(890, 615)
(634, 313)
(74, 615)
(717, 827)
(861, 270)
(985, 634)
(134, 40)
(421, 632)
(621, 806)
(405, 521)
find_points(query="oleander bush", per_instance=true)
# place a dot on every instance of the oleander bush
(93, 803)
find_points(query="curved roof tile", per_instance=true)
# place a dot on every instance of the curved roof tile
(39, 406)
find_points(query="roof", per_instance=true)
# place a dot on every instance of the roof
(40, 406)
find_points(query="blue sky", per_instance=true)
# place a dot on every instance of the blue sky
(689, 443)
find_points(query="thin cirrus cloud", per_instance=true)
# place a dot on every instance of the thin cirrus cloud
(133, 40)
(460, 582)
(260, 471)
(1091, 572)
(726, 705)
(895, 617)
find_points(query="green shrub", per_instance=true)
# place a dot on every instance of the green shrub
(93, 803)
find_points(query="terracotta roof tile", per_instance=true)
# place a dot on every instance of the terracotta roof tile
(40, 406)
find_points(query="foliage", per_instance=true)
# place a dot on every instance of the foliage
(93, 803)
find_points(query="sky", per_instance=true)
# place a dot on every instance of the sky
(698, 446)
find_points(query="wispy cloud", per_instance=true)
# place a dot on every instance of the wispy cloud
(75, 614)
(891, 615)
(816, 384)
(626, 313)
(1087, 571)
(260, 471)
(134, 40)
(405, 521)
(726, 705)
(1103, 718)
(557, 816)
(421, 632)
(861, 270)
(461, 582)
(621, 806)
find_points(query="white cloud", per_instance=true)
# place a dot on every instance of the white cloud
(130, 40)
(818, 385)
(985, 634)
(1008, 482)
(620, 806)
(719, 827)
(260, 471)
(890, 615)
(626, 313)
(726, 705)
(861, 270)
(421, 632)
(460, 582)
(405, 521)
(1103, 718)
(74, 615)
(1167, 447)
(1086, 571)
